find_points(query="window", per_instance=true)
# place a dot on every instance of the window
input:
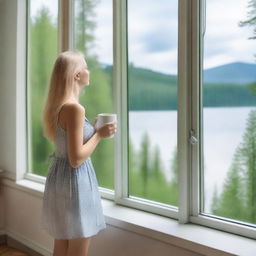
(229, 114)
(93, 36)
(181, 77)
(152, 100)
(42, 51)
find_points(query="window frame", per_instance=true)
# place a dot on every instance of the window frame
(198, 26)
(191, 24)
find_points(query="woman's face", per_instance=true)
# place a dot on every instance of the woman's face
(83, 76)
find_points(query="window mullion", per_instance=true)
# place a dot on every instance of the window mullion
(195, 107)
(183, 109)
(120, 90)
(65, 25)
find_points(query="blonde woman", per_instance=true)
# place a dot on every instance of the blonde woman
(72, 211)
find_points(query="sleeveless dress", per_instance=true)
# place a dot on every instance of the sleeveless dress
(71, 205)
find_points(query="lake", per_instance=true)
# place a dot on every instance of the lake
(223, 130)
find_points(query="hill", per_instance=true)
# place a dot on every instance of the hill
(151, 90)
(235, 73)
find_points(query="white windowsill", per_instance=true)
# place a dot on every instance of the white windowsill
(196, 238)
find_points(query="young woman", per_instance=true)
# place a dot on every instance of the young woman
(72, 211)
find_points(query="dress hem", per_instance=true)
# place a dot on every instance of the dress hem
(102, 227)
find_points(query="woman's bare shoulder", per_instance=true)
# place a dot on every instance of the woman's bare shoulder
(70, 106)
(70, 110)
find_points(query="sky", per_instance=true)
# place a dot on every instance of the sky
(153, 33)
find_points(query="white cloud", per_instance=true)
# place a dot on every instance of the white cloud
(225, 41)
(153, 32)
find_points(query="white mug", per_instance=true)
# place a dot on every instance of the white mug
(103, 118)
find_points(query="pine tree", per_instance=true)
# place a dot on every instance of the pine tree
(251, 21)
(156, 163)
(42, 52)
(247, 153)
(85, 26)
(215, 201)
(144, 161)
(174, 181)
(230, 203)
(238, 198)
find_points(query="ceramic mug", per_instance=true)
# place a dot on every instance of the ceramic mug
(104, 118)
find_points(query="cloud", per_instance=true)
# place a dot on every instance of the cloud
(152, 32)
(224, 40)
(158, 40)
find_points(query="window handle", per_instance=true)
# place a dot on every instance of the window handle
(192, 138)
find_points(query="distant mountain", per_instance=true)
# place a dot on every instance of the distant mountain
(152, 90)
(233, 73)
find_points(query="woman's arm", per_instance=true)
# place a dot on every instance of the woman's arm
(77, 151)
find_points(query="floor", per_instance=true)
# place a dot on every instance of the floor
(9, 251)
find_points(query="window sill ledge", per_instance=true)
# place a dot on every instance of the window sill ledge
(196, 238)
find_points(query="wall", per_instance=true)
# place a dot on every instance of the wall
(7, 85)
(1, 211)
(23, 225)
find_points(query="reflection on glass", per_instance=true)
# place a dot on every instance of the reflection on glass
(42, 52)
(93, 37)
(152, 99)
(229, 113)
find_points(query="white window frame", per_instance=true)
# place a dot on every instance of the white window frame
(191, 24)
(196, 30)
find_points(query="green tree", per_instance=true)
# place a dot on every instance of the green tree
(132, 160)
(247, 153)
(238, 198)
(85, 26)
(144, 160)
(230, 203)
(174, 180)
(156, 165)
(98, 97)
(42, 52)
(251, 21)
(215, 201)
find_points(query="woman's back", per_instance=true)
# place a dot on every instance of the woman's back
(61, 133)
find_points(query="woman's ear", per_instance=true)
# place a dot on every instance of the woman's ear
(77, 76)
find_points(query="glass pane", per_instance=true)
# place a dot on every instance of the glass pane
(42, 52)
(229, 113)
(93, 36)
(152, 100)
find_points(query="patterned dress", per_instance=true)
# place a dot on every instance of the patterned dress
(71, 203)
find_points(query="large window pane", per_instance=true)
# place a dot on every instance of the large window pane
(229, 113)
(152, 99)
(93, 36)
(42, 52)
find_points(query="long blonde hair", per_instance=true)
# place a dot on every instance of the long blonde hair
(60, 88)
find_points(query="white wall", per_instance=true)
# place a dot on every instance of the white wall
(8, 10)
(1, 210)
(22, 211)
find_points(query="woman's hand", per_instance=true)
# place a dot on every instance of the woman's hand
(106, 130)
